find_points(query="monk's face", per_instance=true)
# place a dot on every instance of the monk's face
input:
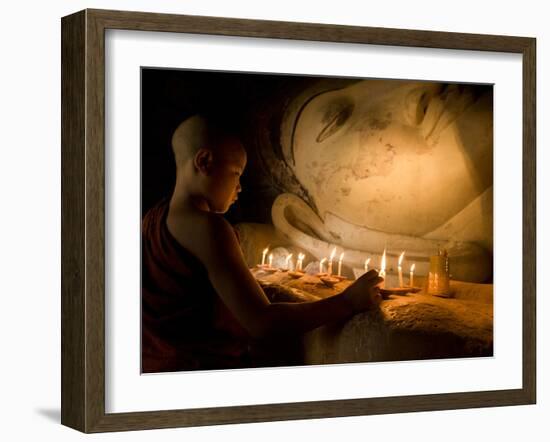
(399, 157)
(223, 182)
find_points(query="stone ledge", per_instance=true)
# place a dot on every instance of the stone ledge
(409, 327)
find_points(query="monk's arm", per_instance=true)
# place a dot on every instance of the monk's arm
(243, 295)
(245, 298)
(288, 318)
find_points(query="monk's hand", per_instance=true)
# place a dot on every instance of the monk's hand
(364, 293)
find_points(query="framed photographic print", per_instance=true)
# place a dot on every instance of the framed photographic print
(270, 220)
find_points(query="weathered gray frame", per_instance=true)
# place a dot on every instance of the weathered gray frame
(83, 220)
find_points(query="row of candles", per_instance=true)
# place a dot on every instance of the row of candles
(382, 271)
(299, 262)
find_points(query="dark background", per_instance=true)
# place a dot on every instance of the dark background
(170, 96)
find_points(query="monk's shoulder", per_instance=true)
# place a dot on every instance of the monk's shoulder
(194, 228)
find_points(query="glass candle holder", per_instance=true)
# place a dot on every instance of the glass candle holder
(438, 276)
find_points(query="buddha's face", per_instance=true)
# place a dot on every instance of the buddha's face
(395, 156)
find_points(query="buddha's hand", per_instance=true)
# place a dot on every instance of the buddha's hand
(364, 293)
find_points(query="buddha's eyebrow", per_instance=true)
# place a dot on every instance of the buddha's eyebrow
(299, 113)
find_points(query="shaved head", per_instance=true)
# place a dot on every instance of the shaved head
(210, 160)
(195, 133)
(188, 138)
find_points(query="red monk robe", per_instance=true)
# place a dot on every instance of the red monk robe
(185, 325)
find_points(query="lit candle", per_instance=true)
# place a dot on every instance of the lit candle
(340, 264)
(367, 265)
(400, 269)
(411, 273)
(330, 261)
(382, 273)
(271, 260)
(287, 261)
(301, 257)
(264, 253)
(321, 265)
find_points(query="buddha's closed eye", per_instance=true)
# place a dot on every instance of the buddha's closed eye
(336, 114)
(416, 105)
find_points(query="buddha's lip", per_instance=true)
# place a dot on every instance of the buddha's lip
(365, 239)
(288, 215)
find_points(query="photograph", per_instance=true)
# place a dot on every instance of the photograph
(298, 220)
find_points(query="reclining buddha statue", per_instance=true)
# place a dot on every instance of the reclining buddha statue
(374, 165)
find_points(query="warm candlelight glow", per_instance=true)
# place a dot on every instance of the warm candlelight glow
(367, 265)
(411, 275)
(340, 264)
(400, 269)
(271, 260)
(264, 253)
(301, 257)
(329, 271)
(382, 273)
(287, 261)
(321, 265)
(401, 258)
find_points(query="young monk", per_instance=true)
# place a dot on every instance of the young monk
(201, 306)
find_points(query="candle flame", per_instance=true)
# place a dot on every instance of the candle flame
(401, 258)
(288, 258)
(333, 253)
(301, 256)
(341, 257)
(412, 267)
(321, 265)
(383, 262)
(367, 264)
(263, 255)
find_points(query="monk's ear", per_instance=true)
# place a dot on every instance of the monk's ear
(203, 161)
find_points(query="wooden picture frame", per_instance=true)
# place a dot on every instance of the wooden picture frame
(83, 220)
